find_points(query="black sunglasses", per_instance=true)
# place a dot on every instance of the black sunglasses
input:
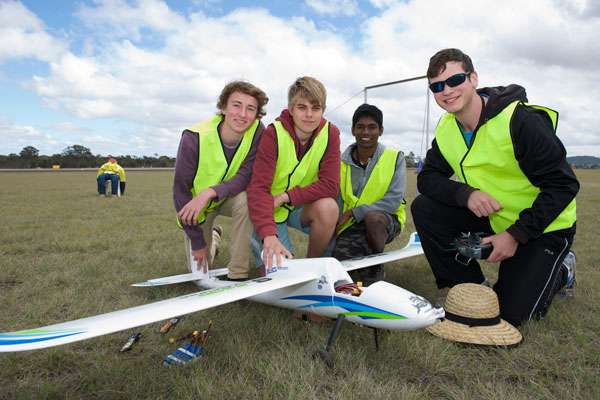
(453, 81)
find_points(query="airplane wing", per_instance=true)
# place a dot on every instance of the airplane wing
(413, 248)
(189, 277)
(85, 328)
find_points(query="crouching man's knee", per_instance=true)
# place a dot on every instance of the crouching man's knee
(323, 212)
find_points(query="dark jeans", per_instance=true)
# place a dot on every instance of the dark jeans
(527, 282)
(114, 181)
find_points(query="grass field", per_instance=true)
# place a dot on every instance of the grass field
(68, 254)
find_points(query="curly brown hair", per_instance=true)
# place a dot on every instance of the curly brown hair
(245, 87)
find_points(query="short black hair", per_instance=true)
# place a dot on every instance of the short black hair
(369, 111)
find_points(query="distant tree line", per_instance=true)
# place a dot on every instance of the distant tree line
(584, 162)
(77, 156)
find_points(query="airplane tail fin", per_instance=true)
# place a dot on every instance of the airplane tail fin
(414, 240)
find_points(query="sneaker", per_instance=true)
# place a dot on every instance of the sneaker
(227, 278)
(217, 231)
(569, 262)
(375, 273)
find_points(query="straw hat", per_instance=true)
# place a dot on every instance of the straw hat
(473, 317)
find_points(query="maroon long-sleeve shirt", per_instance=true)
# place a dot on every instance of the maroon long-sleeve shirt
(260, 200)
(186, 167)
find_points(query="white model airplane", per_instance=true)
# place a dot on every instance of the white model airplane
(309, 285)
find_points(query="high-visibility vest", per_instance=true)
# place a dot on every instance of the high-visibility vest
(212, 164)
(490, 166)
(378, 183)
(109, 167)
(289, 172)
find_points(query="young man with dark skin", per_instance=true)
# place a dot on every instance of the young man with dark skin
(213, 169)
(296, 177)
(371, 198)
(514, 184)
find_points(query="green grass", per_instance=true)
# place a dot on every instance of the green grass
(67, 254)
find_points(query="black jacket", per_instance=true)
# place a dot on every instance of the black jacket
(539, 152)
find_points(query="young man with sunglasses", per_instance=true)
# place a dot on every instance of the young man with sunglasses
(514, 184)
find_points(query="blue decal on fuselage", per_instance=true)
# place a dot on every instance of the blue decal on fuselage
(347, 304)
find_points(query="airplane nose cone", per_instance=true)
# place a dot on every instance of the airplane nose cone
(392, 307)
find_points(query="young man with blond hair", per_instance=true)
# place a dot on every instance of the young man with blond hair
(212, 171)
(296, 177)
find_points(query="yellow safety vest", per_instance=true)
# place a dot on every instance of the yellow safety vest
(490, 166)
(113, 169)
(212, 164)
(289, 172)
(108, 167)
(378, 183)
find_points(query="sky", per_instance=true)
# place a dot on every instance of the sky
(126, 77)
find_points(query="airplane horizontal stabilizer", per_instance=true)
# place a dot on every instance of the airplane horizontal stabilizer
(189, 277)
(413, 248)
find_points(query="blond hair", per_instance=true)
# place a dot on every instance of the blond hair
(307, 88)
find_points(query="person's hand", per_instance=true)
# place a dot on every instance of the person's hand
(273, 247)
(280, 199)
(188, 215)
(504, 244)
(342, 219)
(201, 256)
(482, 204)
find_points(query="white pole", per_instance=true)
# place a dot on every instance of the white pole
(427, 121)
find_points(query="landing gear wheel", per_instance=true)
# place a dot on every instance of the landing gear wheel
(324, 355)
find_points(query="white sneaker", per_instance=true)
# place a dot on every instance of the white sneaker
(569, 262)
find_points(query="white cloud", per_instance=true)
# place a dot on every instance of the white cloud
(69, 127)
(383, 3)
(334, 7)
(16, 137)
(160, 71)
(117, 18)
(23, 35)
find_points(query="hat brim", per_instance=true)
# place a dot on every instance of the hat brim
(502, 334)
